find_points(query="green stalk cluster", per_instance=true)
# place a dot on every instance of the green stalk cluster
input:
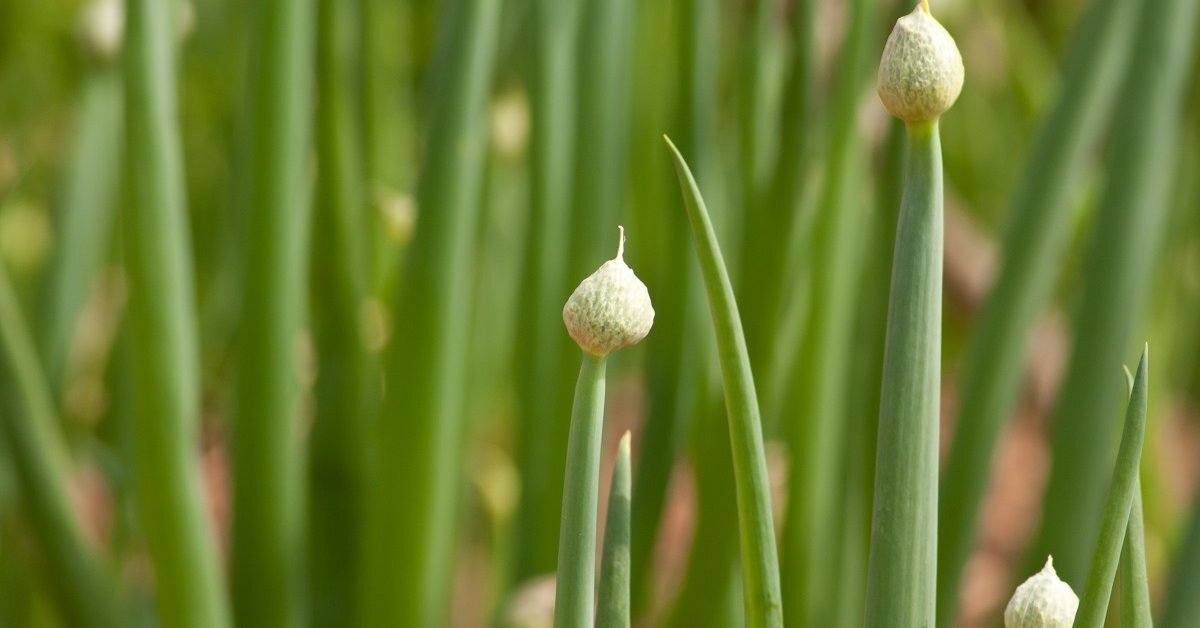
(415, 456)
(1041, 212)
(1126, 232)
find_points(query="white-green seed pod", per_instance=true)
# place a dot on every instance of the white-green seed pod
(610, 309)
(1042, 601)
(921, 73)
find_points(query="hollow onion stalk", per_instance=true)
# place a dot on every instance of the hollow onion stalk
(337, 267)
(415, 479)
(164, 340)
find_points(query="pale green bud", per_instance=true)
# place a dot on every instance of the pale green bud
(921, 73)
(610, 309)
(1042, 601)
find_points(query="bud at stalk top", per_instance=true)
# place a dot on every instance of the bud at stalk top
(610, 309)
(921, 72)
(1042, 601)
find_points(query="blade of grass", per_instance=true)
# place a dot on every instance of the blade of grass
(415, 475)
(39, 458)
(539, 365)
(901, 574)
(267, 527)
(1124, 245)
(1094, 605)
(1182, 608)
(760, 566)
(811, 536)
(613, 609)
(1041, 212)
(575, 587)
(162, 317)
(85, 218)
(337, 267)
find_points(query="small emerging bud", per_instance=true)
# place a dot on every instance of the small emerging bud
(921, 73)
(1042, 601)
(610, 309)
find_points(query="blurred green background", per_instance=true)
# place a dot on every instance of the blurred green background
(772, 103)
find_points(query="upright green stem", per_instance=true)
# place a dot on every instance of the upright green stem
(1121, 492)
(1041, 212)
(162, 317)
(901, 575)
(1124, 244)
(1135, 584)
(760, 562)
(539, 364)
(337, 268)
(613, 611)
(415, 477)
(576, 578)
(77, 577)
(267, 517)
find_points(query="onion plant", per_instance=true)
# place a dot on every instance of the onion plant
(920, 77)
(760, 561)
(338, 268)
(540, 363)
(413, 499)
(164, 337)
(609, 310)
(267, 527)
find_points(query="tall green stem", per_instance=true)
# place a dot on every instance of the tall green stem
(163, 320)
(539, 364)
(575, 591)
(760, 561)
(415, 477)
(339, 284)
(901, 575)
(267, 518)
(1094, 605)
(1041, 212)
(77, 577)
